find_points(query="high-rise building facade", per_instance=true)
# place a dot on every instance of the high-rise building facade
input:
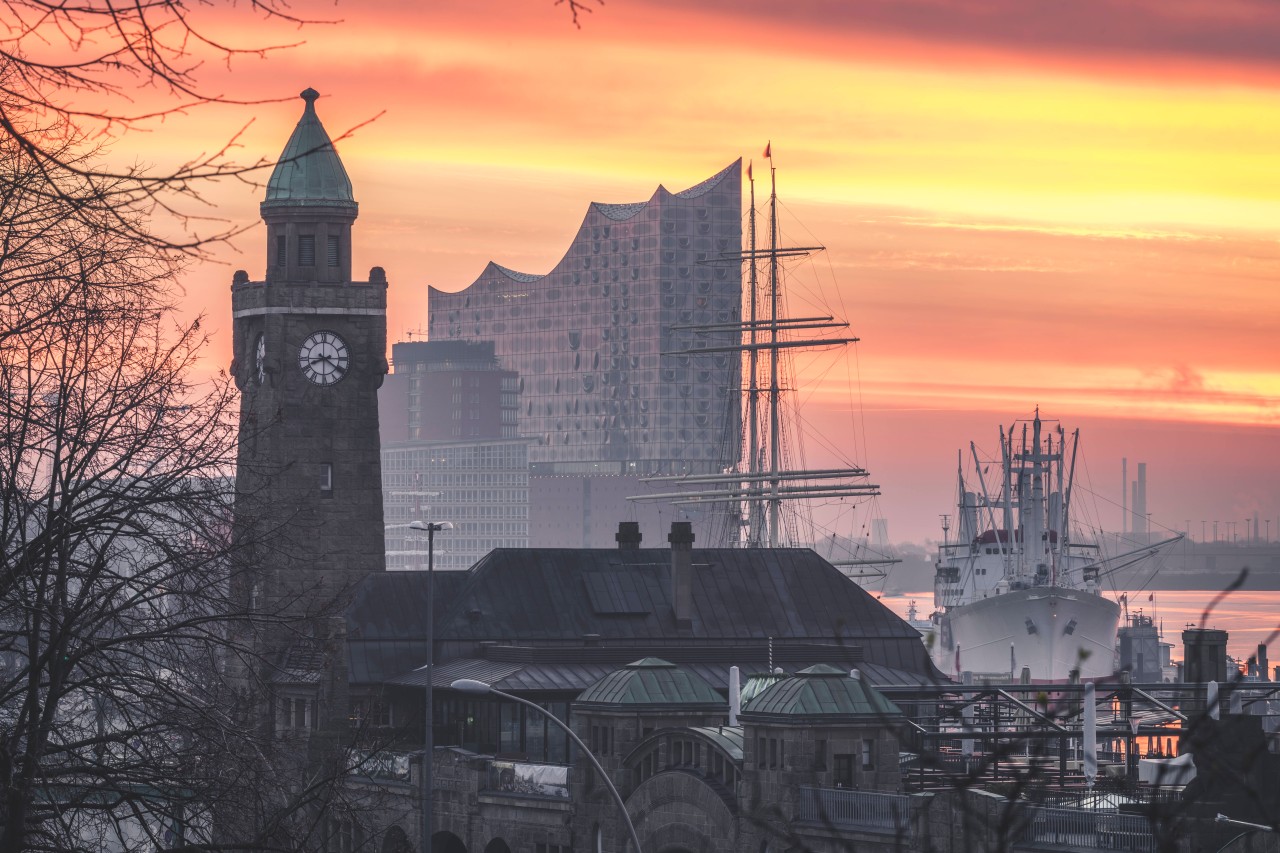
(608, 390)
(480, 486)
(447, 391)
(450, 453)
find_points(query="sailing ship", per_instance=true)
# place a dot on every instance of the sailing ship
(1017, 594)
(765, 485)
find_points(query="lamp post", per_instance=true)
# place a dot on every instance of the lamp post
(471, 685)
(428, 738)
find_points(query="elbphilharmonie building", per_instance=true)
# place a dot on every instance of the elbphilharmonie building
(608, 390)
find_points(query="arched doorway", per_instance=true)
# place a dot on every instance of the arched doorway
(396, 841)
(447, 842)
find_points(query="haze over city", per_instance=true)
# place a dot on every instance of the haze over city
(1022, 206)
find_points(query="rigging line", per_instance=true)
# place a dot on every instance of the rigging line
(794, 218)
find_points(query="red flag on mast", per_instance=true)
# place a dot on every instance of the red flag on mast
(749, 177)
(768, 149)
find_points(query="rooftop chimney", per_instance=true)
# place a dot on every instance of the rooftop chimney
(628, 536)
(681, 539)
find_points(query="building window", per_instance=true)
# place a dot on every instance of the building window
(307, 250)
(326, 477)
(868, 754)
(281, 257)
(843, 770)
(297, 714)
(331, 251)
(820, 755)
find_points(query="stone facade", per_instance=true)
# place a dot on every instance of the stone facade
(309, 356)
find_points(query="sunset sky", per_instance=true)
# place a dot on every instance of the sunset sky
(1071, 205)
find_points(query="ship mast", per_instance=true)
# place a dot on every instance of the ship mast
(762, 492)
(775, 505)
(755, 521)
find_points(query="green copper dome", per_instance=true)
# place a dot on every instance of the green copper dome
(309, 170)
(652, 682)
(823, 692)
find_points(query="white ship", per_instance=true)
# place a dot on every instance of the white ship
(1015, 593)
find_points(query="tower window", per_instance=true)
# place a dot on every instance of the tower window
(326, 477)
(280, 250)
(307, 250)
(332, 251)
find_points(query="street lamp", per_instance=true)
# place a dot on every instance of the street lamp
(471, 685)
(428, 739)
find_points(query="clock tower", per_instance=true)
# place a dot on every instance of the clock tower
(309, 356)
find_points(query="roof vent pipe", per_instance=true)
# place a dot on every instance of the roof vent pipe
(855, 675)
(628, 536)
(681, 539)
(735, 694)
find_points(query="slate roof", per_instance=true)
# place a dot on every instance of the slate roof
(652, 682)
(303, 663)
(819, 692)
(309, 169)
(570, 616)
(387, 626)
(532, 594)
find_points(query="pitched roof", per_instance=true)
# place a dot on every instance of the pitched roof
(309, 169)
(531, 594)
(573, 615)
(387, 625)
(821, 691)
(652, 682)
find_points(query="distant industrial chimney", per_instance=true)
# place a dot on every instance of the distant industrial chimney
(1263, 675)
(1124, 495)
(628, 535)
(1140, 502)
(681, 539)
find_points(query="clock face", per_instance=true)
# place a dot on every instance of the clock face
(324, 358)
(260, 358)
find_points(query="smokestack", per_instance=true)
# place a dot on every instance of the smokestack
(1262, 662)
(1124, 495)
(735, 694)
(1140, 502)
(628, 536)
(681, 539)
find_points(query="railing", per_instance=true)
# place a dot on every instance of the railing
(1090, 830)
(855, 809)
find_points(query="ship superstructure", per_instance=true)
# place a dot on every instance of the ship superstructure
(1017, 593)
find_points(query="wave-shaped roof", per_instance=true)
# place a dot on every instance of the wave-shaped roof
(709, 184)
(515, 275)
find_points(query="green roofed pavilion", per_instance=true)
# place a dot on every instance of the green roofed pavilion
(652, 683)
(820, 692)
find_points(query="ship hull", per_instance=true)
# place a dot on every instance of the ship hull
(1049, 630)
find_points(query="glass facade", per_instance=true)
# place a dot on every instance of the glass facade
(482, 487)
(596, 342)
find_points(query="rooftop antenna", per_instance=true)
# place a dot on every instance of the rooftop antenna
(946, 526)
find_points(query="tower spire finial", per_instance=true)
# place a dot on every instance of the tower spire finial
(309, 95)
